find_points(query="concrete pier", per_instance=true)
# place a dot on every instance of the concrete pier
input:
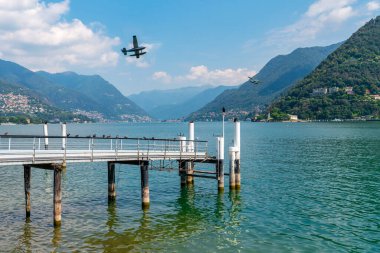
(144, 184)
(111, 182)
(147, 153)
(27, 177)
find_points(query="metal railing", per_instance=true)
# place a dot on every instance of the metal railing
(116, 145)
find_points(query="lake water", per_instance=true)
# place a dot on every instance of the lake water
(312, 187)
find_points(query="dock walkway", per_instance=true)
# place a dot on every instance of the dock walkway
(55, 152)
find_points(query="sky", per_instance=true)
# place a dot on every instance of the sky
(189, 43)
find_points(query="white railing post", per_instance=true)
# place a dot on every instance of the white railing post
(64, 135)
(46, 136)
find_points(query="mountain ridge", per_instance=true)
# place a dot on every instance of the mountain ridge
(275, 77)
(344, 85)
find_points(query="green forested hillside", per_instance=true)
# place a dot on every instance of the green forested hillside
(355, 65)
(276, 76)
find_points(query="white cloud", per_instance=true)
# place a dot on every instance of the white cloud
(373, 6)
(201, 75)
(163, 76)
(219, 76)
(142, 62)
(323, 16)
(35, 34)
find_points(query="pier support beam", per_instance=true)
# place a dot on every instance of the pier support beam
(111, 182)
(232, 151)
(182, 172)
(57, 199)
(189, 171)
(27, 177)
(144, 184)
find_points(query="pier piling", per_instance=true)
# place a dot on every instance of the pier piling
(190, 148)
(27, 177)
(219, 164)
(111, 182)
(57, 199)
(237, 155)
(232, 151)
(144, 184)
(182, 172)
(189, 171)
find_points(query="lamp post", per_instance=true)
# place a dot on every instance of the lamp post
(224, 112)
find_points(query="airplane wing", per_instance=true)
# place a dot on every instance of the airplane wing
(135, 44)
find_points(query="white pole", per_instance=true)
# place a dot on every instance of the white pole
(220, 169)
(220, 148)
(182, 140)
(237, 162)
(46, 135)
(64, 135)
(237, 136)
(191, 137)
(223, 125)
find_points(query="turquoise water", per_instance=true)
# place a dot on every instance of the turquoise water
(311, 187)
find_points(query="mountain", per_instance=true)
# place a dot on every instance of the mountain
(275, 77)
(105, 97)
(149, 100)
(19, 104)
(86, 95)
(346, 85)
(181, 110)
(176, 103)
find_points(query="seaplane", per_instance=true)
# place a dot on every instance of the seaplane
(253, 80)
(137, 51)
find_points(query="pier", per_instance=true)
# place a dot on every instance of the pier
(180, 153)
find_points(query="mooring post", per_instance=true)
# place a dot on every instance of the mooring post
(144, 184)
(190, 148)
(46, 135)
(191, 137)
(111, 182)
(182, 172)
(27, 176)
(57, 199)
(232, 151)
(237, 156)
(220, 167)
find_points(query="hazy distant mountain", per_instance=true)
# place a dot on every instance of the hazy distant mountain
(346, 85)
(176, 103)
(71, 92)
(149, 100)
(277, 75)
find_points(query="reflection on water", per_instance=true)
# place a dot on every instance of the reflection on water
(152, 232)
